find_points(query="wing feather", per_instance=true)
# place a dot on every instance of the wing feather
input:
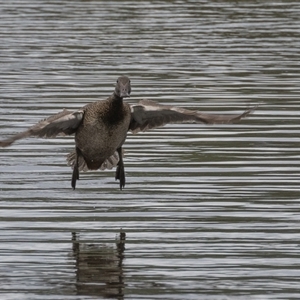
(63, 123)
(149, 114)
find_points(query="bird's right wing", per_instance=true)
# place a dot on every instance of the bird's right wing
(63, 123)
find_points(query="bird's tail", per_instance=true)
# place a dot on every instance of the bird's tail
(82, 166)
(108, 164)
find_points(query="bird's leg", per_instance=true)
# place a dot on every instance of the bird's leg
(120, 172)
(75, 175)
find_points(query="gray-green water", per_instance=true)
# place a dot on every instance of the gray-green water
(209, 212)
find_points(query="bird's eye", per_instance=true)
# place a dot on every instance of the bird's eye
(117, 80)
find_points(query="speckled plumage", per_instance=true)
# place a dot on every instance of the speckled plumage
(103, 130)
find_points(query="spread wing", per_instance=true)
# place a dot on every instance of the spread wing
(149, 114)
(63, 123)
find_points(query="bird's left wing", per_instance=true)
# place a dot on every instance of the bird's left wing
(149, 114)
(63, 123)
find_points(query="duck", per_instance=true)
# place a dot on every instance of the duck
(101, 127)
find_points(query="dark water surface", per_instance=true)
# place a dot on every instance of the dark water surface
(208, 212)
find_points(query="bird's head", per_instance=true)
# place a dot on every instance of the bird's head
(123, 87)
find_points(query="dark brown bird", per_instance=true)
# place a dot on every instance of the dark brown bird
(101, 128)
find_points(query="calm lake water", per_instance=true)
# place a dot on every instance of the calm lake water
(208, 212)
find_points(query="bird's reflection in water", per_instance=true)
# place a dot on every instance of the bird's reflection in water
(99, 268)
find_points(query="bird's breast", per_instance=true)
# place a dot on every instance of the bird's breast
(99, 140)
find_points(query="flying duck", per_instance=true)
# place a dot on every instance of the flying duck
(101, 128)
